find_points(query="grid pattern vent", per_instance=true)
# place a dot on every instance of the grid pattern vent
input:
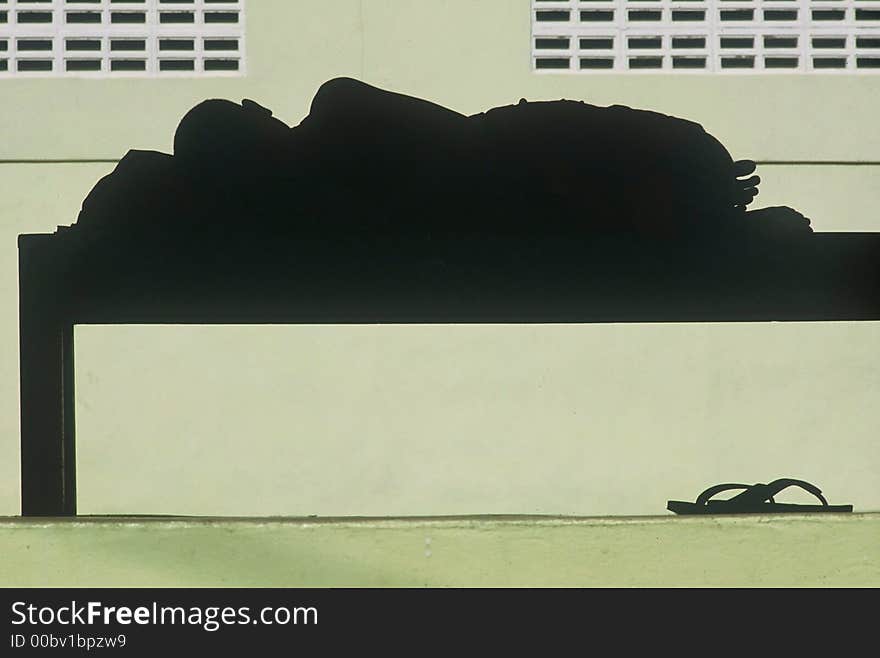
(699, 36)
(118, 38)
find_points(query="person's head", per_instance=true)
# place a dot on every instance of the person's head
(218, 133)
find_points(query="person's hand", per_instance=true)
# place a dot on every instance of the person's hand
(745, 189)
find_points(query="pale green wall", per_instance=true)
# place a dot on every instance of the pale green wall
(469, 55)
(493, 419)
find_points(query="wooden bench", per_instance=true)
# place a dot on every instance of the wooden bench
(65, 279)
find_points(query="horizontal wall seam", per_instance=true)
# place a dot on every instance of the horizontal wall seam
(821, 163)
(60, 161)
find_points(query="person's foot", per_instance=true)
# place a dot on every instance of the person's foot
(779, 220)
(745, 189)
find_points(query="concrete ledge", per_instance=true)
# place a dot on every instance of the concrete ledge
(790, 550)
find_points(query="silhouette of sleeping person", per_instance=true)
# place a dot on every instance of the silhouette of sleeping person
(369, 161)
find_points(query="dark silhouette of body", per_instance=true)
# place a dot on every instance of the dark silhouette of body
(368, 161)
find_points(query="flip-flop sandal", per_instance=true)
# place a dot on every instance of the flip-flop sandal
(756, 499)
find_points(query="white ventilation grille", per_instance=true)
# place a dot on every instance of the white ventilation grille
(693, 36)
(117, 38)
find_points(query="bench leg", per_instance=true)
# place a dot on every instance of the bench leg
(48, 458)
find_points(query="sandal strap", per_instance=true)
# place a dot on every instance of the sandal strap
(759, 493)
(704, 497)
